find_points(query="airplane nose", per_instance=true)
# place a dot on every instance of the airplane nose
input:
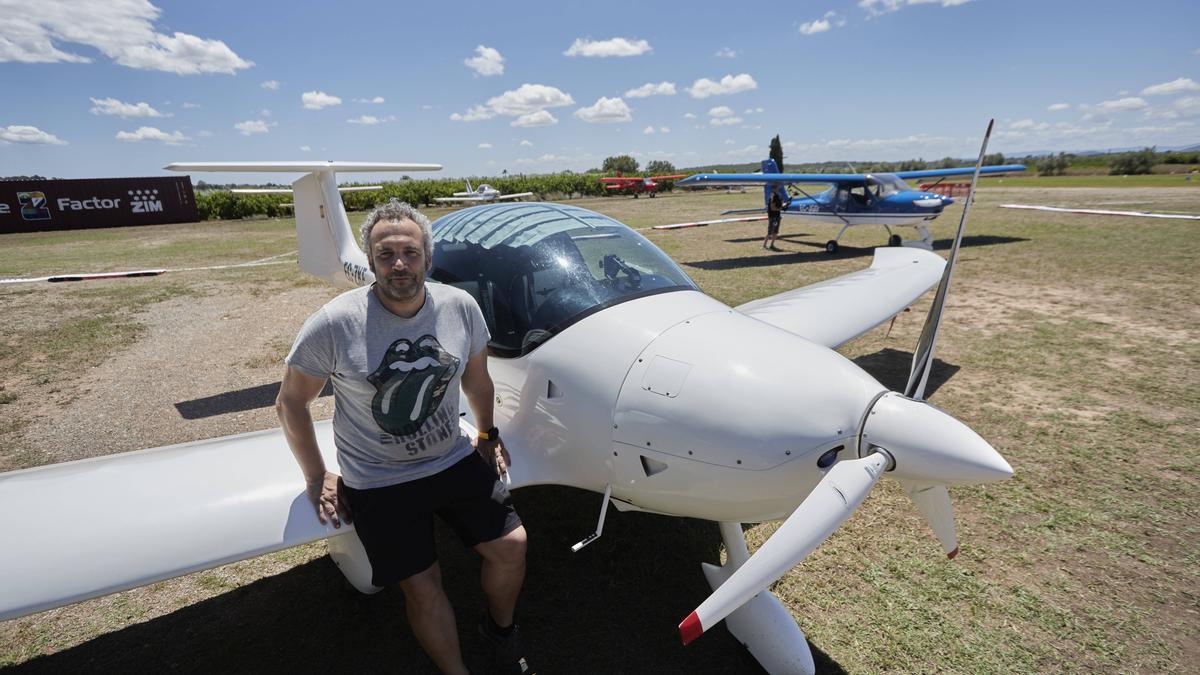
(947, 201)
(931, 446)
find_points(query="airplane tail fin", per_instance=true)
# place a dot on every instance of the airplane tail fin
(328, 248)
(469, 187)
(769, 166)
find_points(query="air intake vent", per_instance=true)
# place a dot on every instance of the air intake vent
(652, 466)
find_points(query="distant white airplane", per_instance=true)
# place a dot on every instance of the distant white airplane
(483, 193)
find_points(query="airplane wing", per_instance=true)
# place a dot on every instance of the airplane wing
(288, 191)
(516, 195)
(88, 528)
(838, 310)
(462, 199)
(852, 178)
(959, 171)
(101, 525)
(765, 178)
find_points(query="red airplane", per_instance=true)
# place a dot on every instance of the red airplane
(637, 184)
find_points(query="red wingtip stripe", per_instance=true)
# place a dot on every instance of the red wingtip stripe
(690, 629)
(953, 553)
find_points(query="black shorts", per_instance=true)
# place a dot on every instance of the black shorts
(772, 224)
(395, 523)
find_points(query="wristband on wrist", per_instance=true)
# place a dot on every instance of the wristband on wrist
(489, 435)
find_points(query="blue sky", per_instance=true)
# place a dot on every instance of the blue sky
(121, 87)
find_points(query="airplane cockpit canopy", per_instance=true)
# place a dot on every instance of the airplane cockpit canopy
(887, 184)
(536, 268)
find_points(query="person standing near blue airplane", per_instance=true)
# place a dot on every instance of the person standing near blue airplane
(397, 352)
(774, 214)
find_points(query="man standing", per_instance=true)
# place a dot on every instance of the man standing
(397, 352)
(774, 212)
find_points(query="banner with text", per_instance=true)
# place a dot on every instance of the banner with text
(41, 205)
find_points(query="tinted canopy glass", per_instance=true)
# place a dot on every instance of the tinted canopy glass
(537, 268)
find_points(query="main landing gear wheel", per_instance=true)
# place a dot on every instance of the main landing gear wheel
(894, 240)
(831, 247)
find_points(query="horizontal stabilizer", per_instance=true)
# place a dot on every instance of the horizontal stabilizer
(288, 191)
(300, 167)
(838, 310)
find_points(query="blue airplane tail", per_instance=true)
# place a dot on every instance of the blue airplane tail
(769, 166)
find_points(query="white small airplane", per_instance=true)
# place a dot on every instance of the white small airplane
(614, 373)
(483, 193)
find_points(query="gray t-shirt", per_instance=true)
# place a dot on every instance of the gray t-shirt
(395, 381)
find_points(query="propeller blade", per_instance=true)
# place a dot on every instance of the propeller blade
(933, 501)
(923, 355)
(830, 503)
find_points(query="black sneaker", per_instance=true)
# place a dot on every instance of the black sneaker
(508, 653)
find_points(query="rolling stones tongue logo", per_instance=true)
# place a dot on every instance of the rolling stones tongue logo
(410, 383)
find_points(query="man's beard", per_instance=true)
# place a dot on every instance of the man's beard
(404, 293)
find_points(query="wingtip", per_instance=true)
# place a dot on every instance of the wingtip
(951, 554)
(690, 629)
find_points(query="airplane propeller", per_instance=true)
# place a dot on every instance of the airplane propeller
(920, 445)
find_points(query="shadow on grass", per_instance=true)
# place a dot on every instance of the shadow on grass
(239, 400)
(613, 607)
(891, 368)
(816, 252)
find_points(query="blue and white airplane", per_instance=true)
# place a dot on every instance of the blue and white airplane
(853, 198)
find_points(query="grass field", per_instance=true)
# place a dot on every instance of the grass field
(1071, 343)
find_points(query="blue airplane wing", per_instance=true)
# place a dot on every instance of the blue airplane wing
(959, 171)
(833, 178)
(776, 178)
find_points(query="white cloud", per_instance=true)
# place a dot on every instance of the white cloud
(371, 119)
(605, 110)
(1185, 107)
(122, 30)
(729, 141)
(151, 134)
(689, 116)
(203, 133)
(651, 89)
(376, 100)
(664, 130)
(878, 7)
(273, 85)
(541, 118)
(525, 144)
(473, 114)
(529, 98)
(1029, 124)
(315, 100)
(305, 148)
(725, 53)
(1055, 107)
(721, 111)
(617, 46)
(724, 121)
(486, 62)
(20, 133)
(648, 130)
(730, 84)
(829, 20)
(484, 146)
(1127, 103)
(1173, 87)
(186, 105)
(251, 127)
(111, 106)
